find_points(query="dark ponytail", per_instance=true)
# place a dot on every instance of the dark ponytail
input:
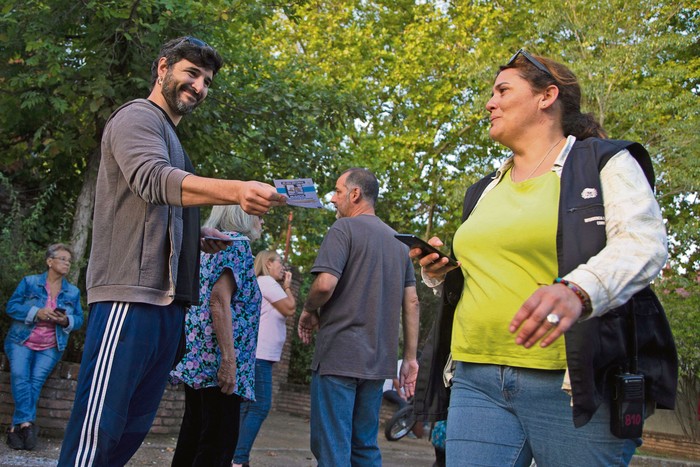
(582, 125)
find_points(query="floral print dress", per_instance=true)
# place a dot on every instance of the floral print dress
(200, 365)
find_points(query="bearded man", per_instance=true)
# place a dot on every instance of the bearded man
(144, 263)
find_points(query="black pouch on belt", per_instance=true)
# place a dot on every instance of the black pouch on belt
(627, 406)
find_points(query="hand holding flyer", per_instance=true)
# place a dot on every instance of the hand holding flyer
(300, 192)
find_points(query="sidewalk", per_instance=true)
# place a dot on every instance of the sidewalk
(283, 442)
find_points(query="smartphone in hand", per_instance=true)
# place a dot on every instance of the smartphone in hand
(60, 310)
(415, 242)
(225, 240)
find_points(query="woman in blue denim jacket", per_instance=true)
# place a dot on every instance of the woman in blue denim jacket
(44, 309)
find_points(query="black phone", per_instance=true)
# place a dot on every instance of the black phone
(60, 310)
(225, 240)
(415, 242)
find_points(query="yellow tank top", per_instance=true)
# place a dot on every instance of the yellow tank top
(507, 248)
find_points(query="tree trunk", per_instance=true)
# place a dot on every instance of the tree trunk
(82, 222)
(431, 214)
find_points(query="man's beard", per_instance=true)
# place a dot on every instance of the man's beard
(171, 91)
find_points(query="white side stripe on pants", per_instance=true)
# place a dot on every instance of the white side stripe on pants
(98, 387)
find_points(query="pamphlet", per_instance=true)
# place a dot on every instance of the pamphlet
(300, 192)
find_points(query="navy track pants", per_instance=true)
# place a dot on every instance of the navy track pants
(129, 350)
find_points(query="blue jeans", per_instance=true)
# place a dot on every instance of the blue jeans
(345, 420)
(505, 416)
(28, 372)
(254, 413)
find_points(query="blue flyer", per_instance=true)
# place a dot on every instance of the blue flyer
(300, 192)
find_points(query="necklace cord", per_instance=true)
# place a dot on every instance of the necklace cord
(538, 164)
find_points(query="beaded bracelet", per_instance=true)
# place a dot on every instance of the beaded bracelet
(583, 296)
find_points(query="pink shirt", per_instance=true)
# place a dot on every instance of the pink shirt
(273, 329)
(43, 335)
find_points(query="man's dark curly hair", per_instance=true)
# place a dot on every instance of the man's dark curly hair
(187, 48)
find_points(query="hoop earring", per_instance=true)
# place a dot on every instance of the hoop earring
(160, 81)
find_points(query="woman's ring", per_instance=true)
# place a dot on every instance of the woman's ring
(553, 319)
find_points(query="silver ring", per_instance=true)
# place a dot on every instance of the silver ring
(553, 319)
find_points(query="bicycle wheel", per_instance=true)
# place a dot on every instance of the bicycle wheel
(400, 424)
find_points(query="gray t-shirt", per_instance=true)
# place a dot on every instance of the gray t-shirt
(359, 328)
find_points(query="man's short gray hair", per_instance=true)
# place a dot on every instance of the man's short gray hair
(365, 181)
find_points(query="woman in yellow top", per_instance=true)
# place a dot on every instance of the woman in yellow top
(565, 231)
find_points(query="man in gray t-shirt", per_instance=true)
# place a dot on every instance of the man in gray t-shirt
(364, 283)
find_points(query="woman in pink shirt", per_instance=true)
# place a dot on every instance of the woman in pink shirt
(44, 309)
(278, 304)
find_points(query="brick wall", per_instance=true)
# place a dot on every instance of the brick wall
(170, 411)
(295, 399)
(53, 409)
(670, 445)
(56, 401)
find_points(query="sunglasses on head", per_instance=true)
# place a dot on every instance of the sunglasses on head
(530, 59)
(193, 41)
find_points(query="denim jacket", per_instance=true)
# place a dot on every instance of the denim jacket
(30, 296)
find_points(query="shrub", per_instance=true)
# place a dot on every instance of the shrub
(681, 299)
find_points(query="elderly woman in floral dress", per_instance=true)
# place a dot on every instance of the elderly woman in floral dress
(218, 367)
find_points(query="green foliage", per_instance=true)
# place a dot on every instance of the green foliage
(21, 255)
(681, 299)
(411, 70)
(310, 89)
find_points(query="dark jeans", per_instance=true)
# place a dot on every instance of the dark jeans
(440, 460)
(209, 430)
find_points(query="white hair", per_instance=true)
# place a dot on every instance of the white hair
(233, 218)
